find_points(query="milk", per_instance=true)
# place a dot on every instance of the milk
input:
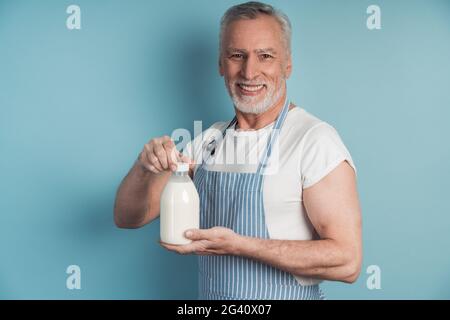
(179, 207)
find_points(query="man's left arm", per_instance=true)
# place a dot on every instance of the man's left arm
(333, 209)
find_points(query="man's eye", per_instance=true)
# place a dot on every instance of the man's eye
(237, 56)
(266, 56)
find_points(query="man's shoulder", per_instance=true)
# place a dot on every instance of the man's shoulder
(303, 128)
(299, 122)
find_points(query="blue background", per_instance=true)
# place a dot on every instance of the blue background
(76, 107)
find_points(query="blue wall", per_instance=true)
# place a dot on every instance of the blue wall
(77, 106)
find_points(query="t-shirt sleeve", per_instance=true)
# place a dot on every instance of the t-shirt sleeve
(322, 151)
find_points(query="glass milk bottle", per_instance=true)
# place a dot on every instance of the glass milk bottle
(179, 207)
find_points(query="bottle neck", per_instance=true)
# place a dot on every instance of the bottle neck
(181, 173)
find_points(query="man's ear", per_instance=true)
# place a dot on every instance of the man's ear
(221, 71)
(288, 68)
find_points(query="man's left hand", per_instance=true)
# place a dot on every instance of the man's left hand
(214, 241)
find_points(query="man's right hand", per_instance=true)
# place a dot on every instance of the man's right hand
(160, 155)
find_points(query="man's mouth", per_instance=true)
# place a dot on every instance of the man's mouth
(250, 89)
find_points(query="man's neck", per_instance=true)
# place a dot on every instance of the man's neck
(250, 121)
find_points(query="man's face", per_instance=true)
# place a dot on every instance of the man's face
(255, 63)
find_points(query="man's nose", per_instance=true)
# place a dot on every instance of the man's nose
(250, 68)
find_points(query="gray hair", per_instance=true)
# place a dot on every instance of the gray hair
(251, 10)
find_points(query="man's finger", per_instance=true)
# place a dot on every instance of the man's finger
(198, 234)
(182, 249)
(168, 145)
(153, 160)
(161, 154)
(172, 155)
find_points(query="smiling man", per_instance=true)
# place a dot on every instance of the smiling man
(271, 228)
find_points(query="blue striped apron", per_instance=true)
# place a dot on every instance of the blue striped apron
(235, 200)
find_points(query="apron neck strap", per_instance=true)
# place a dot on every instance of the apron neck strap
(275, 132)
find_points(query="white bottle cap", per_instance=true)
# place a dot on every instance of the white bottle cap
(182, 167)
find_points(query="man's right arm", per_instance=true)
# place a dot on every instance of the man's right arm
(138, 197)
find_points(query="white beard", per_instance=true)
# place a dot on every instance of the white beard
(247, 104)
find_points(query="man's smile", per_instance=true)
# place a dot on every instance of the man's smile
(250, 90)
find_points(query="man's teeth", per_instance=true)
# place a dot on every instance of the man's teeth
(251, 88)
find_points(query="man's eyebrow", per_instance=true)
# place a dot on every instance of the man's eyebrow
(229, 50)
(266, 50)
(258, 51)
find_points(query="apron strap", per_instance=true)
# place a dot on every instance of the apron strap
(212, 144)
(275, 132)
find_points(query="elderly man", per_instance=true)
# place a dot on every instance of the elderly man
(272, 228)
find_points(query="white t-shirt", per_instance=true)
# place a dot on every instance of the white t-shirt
(308, 149)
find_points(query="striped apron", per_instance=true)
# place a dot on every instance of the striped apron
(235, 201)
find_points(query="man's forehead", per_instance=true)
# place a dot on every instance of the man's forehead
(253, 34)
(257, 50)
